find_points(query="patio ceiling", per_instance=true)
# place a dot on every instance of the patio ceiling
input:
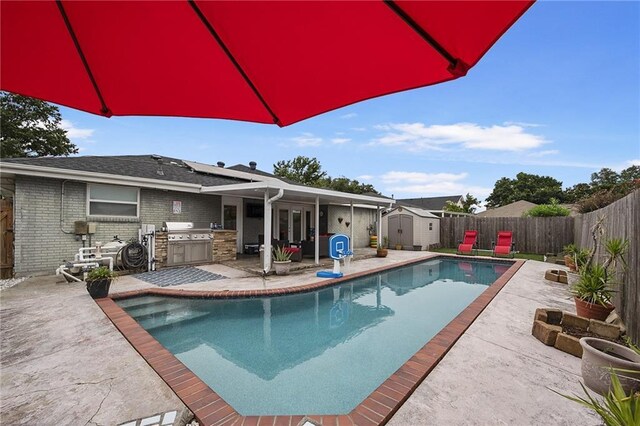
(296, 193)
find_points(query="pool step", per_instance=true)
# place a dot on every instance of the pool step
(135, 302)
(172, 321)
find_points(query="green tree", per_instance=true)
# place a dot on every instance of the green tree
(347, 185)
(31, 128)
(533, 188)
(469, 205)
(604, 179)
(308, 171)
(630, 173)
(301, 169)
(577, 192)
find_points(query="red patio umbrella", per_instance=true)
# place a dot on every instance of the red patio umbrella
(265, 61)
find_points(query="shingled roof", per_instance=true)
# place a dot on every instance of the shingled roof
(139, 166)
(429, 203)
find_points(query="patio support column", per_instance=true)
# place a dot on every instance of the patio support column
(317, 230)
(352, 225)
(266, 266)
(379, 220)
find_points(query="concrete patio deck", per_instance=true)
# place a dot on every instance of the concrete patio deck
(63, 362)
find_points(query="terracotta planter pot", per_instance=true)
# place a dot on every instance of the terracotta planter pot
(282, 268)
(599, 356)
(592, 310)
(382, 252)
(99, 288)
(568, 261)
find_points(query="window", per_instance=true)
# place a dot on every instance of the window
(111, 200)
(430, 226)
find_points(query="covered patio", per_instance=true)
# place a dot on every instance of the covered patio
(271, 191)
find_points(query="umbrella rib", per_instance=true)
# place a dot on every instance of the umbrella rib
(233, 60)
(104, 110)
(456, 66)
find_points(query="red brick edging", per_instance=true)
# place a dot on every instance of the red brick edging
(211, 410)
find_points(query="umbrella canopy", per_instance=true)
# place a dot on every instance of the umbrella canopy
(264, 61)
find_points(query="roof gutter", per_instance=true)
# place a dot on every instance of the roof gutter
(299, 189)
(105, 178)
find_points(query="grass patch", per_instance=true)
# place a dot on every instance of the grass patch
(530, 256)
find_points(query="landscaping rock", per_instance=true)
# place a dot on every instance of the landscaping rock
(556, 275)
(549, 316)
(568, 344)
(571, 320)
(546, 333)
(602, 329)
(615, 319)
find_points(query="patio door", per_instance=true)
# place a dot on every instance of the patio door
(293, 222)
(232, 218)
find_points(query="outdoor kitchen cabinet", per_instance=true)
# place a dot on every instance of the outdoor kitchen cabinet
(188, 252)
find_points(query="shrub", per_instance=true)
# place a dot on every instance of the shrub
(100, 273)
(547, 210)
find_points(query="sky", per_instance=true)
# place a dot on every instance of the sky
(558, 95)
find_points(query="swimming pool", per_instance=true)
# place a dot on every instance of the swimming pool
(319, 352)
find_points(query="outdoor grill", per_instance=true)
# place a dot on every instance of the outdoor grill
(188, 243)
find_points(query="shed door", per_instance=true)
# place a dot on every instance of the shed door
(406, 234)
(394, 230)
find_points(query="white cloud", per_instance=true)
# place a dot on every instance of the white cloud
(420, 137)
(75, 132)
(359, 129)
(405, 184)
(620, 167)
(307, 139)
(339, 141)
(419, 177)
(544, 153)
(348, 116)
(521, 124)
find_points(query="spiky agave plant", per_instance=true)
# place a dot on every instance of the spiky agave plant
(616, 408)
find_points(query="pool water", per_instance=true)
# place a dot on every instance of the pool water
(321, 352)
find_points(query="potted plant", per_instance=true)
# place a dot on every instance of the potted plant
(382, 248)
(99, 281)
(398, 246)
(575, 258)
(593, 291)
(601, 357)
(281, 260)
(570, 250)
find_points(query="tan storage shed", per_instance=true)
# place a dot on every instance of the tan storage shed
(410, 227)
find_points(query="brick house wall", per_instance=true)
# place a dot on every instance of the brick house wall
(43, 242)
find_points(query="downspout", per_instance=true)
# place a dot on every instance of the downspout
(62, 208)
(352, 226)
(266, 266)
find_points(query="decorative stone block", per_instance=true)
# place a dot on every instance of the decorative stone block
(569, 344)
(546, 333)
(556, 275)
(571, 320)
(602, 329)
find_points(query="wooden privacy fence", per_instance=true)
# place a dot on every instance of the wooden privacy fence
(532, 234)
(621, 220)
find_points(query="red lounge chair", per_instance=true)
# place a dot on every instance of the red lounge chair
(504, 245)
(467, 246)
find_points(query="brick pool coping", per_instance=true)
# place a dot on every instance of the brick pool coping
(377, 409)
